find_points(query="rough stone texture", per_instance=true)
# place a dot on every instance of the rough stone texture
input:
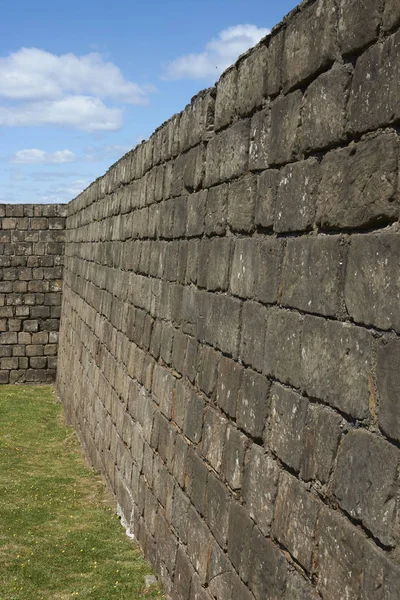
(359, 185)
(366, 482)
(372, 290)
(295, 520)
(340, 556)
(313, 274)
(358, 31)
(297, 196)
(388, 384)
(322, 128)
(309, 43)
(229, 337)
(375, 87)
(31, 271)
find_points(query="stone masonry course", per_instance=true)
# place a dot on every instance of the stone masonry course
(229, 349)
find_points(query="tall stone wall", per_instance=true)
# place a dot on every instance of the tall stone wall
(229, 349)
(31, 263)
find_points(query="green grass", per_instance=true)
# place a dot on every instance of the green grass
(59, 535)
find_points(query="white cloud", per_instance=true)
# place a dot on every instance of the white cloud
(33, 74)
(64, 192)
(39, 88)
(34, 156)
(79, 112)
(106, 152)
(218, 55)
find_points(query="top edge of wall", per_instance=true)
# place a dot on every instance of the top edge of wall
(205, 93)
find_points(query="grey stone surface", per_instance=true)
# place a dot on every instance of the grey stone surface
(388, 385)
(359, 184)
(284, 132)
(297, 196)
(321, 436)
(286, 434)
(374, 90)
(340, 556)
(381, 580)
(309, 43)
(252, 75)
(366, 482)
(282, 354)
(253, 402)
(322, 128)
(260, 487)
(358, 23)
(228, 383)
(268, 568)
(225, 103)
(372, 288)
(266, 198)
(325, 346)
(313, 274)
(295, 520)
(241, 204)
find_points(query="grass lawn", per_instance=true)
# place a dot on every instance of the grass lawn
(59, 535)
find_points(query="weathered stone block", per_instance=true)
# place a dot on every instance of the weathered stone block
(321, 437)
(196, 480)
(372, 288)
(183, 577)
(313, 274)
(228, 383)
(266, 198)
(288, 418)
(282, 347)
(218, 502)
(295, 518)
(358, 23)
(252, 73)
(193, 426)
(216, 210)
(236, 444)
(259, 487)
(359, 184)
(324, 112)
(253, 404)
(241, 203)
(268, 568)
(234, 150)
(336, 364)
(199, 544)
(366, 482)
(388, 384)
(259, 140)
(340, 556)
(297, 196)
(391, 15)
(213, 437)
(381, 575)
(196, 213)
(374, 91)
(310, 43)
(239, 538)
(225, 102)
(254, 317)
(284, 132)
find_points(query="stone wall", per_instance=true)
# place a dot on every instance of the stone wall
(230, 350)
(31, 263)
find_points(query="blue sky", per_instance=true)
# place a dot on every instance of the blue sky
(83, 82)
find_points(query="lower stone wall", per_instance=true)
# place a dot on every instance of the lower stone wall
(31, 265)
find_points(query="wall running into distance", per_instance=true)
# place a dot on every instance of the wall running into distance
(229, 345)
(31, 263)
